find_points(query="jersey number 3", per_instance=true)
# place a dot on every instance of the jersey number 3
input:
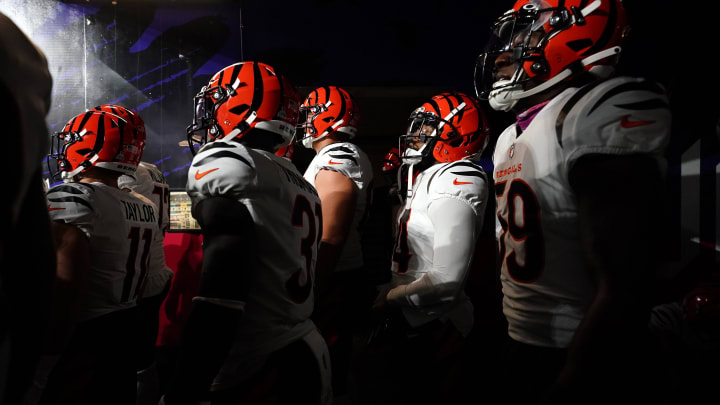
(308, 246)
(521, 234)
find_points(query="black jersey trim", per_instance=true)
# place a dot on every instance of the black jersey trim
(348, 157)
(64, 188)
(72, 199)
(222, 154)
(652, 104)
(340, 148)
(632, 86)
(560, 120)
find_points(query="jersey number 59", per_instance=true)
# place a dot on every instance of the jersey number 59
(521, 244)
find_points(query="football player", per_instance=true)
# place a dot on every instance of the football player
(579, 185)
(148, 181)
(429, 314)
(249, 333)
(25, 88)
(342, 173)
(104, 236)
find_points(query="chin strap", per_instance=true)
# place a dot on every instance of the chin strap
(410, 184)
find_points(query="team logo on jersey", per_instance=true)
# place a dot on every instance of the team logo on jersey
(457, 183)
(199, 175)
(626, 123)
(511, 153)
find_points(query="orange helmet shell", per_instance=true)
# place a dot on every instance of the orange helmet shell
(132, 118)
(460, 124)
(243, 96)
(96, 138)
(326, 110)
(566, 42)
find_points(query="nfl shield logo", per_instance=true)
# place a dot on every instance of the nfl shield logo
(512, 150)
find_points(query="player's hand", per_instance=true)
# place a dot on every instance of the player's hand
(380, 304)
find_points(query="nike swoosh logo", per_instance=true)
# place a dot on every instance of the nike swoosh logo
(457, 183)
(626, 123)
(334, 163)
(54, 208)
(199, 175)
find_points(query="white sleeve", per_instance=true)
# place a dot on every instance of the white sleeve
(455, 224)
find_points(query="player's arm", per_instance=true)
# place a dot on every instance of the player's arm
(454, 226)
(72, 252)
(338, 196)
(229, 259)
(620, 201)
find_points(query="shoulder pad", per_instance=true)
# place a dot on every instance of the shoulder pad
(622, 115)
(343, 158)
(221, 169)
(142, 181)
(71, 202)
(461, 179)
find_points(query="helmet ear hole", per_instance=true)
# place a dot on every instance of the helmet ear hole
(455, 140)
(538, 67)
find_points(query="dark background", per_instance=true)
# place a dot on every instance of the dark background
(154, 55)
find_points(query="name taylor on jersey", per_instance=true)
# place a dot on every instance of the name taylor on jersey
(138, 212)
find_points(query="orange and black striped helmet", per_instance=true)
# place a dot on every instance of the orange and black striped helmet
(449, 127)
(94, 138)
(326, 110)
(241, 97)
(549, 41)
(132, 118)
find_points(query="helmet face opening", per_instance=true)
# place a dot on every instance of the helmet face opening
(450, 127)
(516, 38)
(540, 43)
(417, 143)
(204, 126)
(326, 110)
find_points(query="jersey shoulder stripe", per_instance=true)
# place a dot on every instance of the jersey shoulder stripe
(622, 115)
(342, 152)
(76, 200)
(221, 154)
(76, 193)
(565, 110)
(67, 188)
(72, 203)
(222, 170)
(458, 168)
(640, 86)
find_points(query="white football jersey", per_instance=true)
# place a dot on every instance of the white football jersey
(287, 214)
(120, 226)
(150, 182)
(415, 235)
(547, 286)
(351, 161)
